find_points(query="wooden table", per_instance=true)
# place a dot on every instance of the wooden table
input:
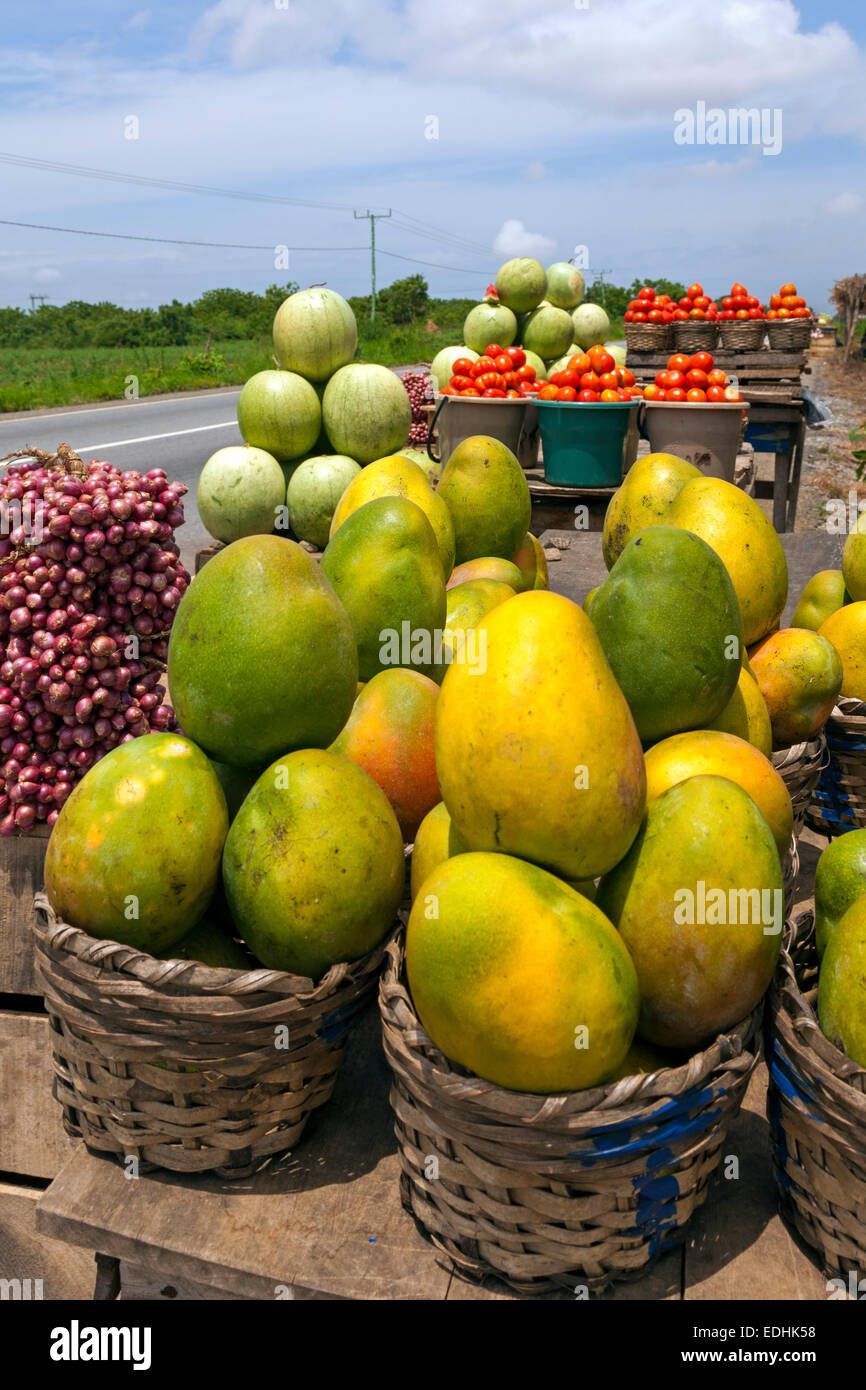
(326, 1222)
(779, 430)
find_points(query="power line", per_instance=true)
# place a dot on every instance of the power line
(170, 241)
(461, 270)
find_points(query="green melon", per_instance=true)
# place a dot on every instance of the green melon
(279, 412)
(315, 333)
(240, 489)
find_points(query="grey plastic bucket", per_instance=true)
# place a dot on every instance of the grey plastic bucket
(508, 421)
(707, 435)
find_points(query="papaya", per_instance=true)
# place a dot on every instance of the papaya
(823, 595)
(710, 752)
(840, 879)
(398, 476)
(841, 990)
(235, 782)
(532, 563)
(537, 752)
(488, 567)
(210, 944)
(517, 977)
(746, 714)
(485, 490)
(262, 656)
(437, 840)
(313, 864)
(134, 855)
(747, 543)
(669, 624)
(854, 561)
(698, 902)
(466, 605)
(384, 564)
(646, 492)
(846, 631)
(800, 675)
(390, 735)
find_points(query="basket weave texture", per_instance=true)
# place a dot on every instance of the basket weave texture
(839, 800)
(548, 1191)
(817, 1113)
(800, 768)
(648, 337)
(183, 1066)
(742, 336)
(696, 336)
(789, 335)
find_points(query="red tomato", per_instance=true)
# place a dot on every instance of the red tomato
(493, 350)
(529, 388)
(495, 392)
(679, 362)
(694, 291)
(579, 363)
(741, 314)
(653, 393)
(676, 393)
(601, 359)
(526, 373)
(628, 316)
(716, 393)
(647, 292)
(448, 391)
(626, 378)
(470, 392)
(462, 367)
(585, 395)
(484, 364)
(566, 393)
(752, 302)
(738, 290)
(671, 380)
(775, 301)
(679, 315)
(697, 313)
(772, 314)
(728, 302)
(696, 394)
(787, 289)
(801, 313)
(517, 355)
(609, 381)
(610, 395)
(731, 394)
(755, 313)
(461, 383)
(639, 318)
(661, 380)
(590, 381)
(717, 377)
(487, 380)
(783, 313)
(655, 316)
(548, 392)
(513, 395)
(697, 378)
(702, 361)
(727, 314)
(503, 363)
(565, 378)
(701, 301)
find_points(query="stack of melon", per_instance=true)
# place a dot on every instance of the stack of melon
(541, 310)
(308, 426)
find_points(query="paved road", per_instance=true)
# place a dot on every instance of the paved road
(178, 435)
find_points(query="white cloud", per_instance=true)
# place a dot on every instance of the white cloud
(513, 239)
(845, 205)
(138, 20)
(47, 276)
(535, 171)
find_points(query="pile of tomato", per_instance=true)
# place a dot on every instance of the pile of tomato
(501, 374)
(694, 380)
(591, 376)
(787, 304)
(739, 304)
(650, 307)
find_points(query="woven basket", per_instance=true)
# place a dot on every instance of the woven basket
(648, 337)
(800, 767)
(742, 335)
(839, 800)
(790, 873)
(695, 336)
(817, 1113)
(545, 1191)
(186, 1067)
(789, 335)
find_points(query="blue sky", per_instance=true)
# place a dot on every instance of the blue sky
(555, 130)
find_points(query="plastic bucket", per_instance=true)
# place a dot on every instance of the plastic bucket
(459, 418)
(709, 436)
(585, 444)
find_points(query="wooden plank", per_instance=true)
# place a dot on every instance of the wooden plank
(740, 1247)
(32, 1139)
(22, 859)
(65, 1272)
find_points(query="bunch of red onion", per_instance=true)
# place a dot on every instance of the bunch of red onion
(419, 391)
(89, 583)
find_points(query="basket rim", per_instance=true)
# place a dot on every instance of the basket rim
(808, 748)
(55, 936)
(610, 1104)
(806, 1022)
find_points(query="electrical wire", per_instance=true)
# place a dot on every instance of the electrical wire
(171, 241)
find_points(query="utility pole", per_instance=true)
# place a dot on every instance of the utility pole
(33, 298)
(362, 216)
(599, 279)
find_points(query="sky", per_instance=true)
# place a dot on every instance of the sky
(550, 128)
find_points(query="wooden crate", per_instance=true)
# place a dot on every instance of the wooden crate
(54, 1269)
(33, 1143)
(765, 377)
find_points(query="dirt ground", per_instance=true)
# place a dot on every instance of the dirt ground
(828, 464)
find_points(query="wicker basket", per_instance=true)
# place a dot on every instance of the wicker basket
(789, 335)
(800, 767)
(839, 800)
(545, 1191)
(817, 1113)
(790, 874)
(186, 1067)
(648, 337)
(742, 335)
(695, 335)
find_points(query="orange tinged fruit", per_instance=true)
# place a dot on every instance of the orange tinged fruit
(854, 561)
(800, 676)
(746, 714)
(840, 879)
(396, 476)
(390, 735)
(487, 567)
(708, 752)
(846, 629)
(532, 563)
(647, 491)
(519, 978)
(824, 593)
(485, 490)
(842, 985)
(437, 840)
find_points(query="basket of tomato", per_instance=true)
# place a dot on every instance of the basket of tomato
(695, 410)
(648, 320)
(789, 320)
(584, 415)
(695, 321)
(488, 396)
(742, 322)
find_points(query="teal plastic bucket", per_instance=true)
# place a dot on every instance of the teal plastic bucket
(584, 443)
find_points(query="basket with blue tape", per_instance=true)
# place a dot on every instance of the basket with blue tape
(839, 800)
(817, 1114)
(557, 1191)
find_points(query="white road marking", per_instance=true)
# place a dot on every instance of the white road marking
(148, 438)
(120, 405)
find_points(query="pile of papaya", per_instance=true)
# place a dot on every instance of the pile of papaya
(597, 828)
